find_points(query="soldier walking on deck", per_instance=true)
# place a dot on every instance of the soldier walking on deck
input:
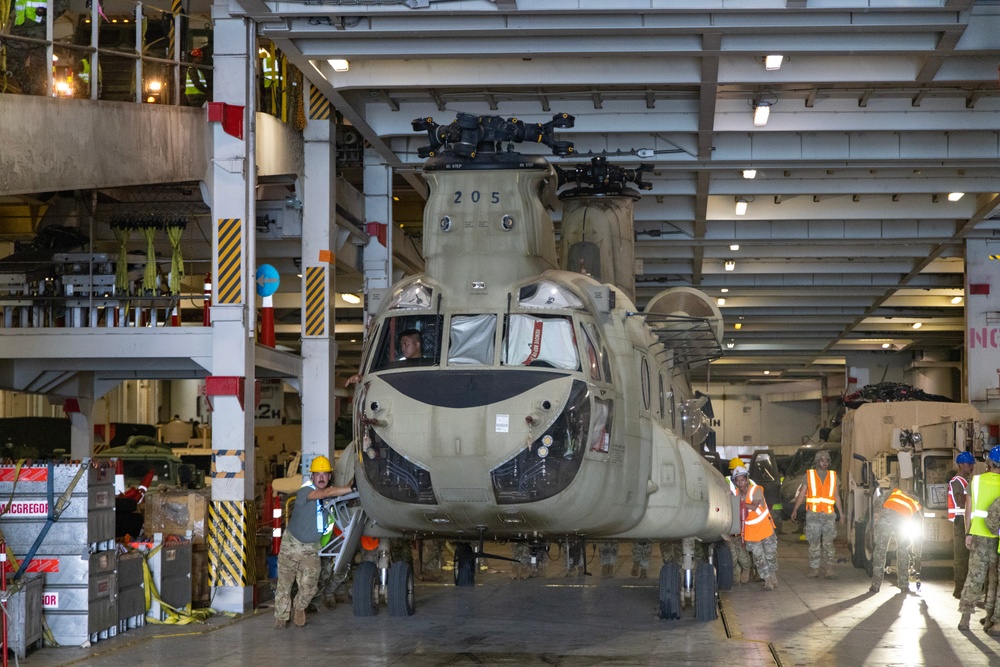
(757, 528)
(893, 517)
(981, 542)
(956, 514)
(822, 497)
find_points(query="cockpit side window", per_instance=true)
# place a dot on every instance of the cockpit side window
(470, 340)
(593, 360)
(412, 340)
(549, 342)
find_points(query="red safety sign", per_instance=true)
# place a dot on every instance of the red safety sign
(50, 600)
(33, 508)
(24, 474)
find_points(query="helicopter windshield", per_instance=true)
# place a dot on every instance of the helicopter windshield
(470, 340)
(424, 351)
(540, 341)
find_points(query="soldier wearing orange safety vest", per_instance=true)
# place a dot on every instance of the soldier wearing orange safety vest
(822, 496)
(757, 528)
(957, 489)
(899, 515)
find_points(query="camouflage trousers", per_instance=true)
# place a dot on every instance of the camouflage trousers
(741, 557)
(982, 570)
(672, 551)
(642, 551)
(609, 552)
(433, 559)
(574, 554)
(821, 530)
(765, 555)
(960, 553)
(299, 562)
(888, 523)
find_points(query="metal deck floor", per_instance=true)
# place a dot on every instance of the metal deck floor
(554, 620)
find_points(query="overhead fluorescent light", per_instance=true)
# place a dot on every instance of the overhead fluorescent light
(734, 247)
(721, 301)
(730, 345)
(724, 290)
(741, 206)
(351, 298)
(955, 196)
(773, 62)
(886, 346)
(738, 326)
(749, 173)
(730, 265)
(767, 372)
(761, 112)
(339, 64)
(917, 325)
(956, 300)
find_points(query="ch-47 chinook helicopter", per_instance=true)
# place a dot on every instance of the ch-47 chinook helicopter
(543, 405)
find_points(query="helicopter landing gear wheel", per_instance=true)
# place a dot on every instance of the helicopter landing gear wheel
(670, 591)
(365, 589)
(400, 597)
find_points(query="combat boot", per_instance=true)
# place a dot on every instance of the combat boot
(768, 585)
(813, 573)
(607, 570)
(963, 623)
(635, 569)
(744, 576)
(829, 573)
(642, 573)
(773, 578)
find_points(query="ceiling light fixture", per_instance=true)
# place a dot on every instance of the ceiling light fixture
(956, 300)
(730, 265)
(730, 345)
(738, 326)
(761, 112)
(749, 173)
(721, 301)
(351, 298)
(917, 325)
(767, 372)
(955, 196)
(339, 64)
(734, 247)
(773, 62)
(886, 346)
(724, 290)
(741, 206)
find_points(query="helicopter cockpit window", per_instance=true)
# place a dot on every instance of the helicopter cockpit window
(416, 295)
(547, 294)
(412, 340)
(470, 340)
(548, 342)
(593, 357)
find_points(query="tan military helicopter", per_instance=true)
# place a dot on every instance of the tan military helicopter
(506, 397)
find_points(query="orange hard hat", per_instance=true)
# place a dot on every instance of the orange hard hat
(196, 53)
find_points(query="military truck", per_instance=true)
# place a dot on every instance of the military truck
(912, 445)
(140, 454)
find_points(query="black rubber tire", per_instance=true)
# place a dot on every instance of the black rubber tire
(465, 565)
(670, 591)
(724, 566)
(400, 595)
(858, 552)
(704, 593)
(365, 589)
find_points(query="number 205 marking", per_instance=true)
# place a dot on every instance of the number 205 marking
(475, 196)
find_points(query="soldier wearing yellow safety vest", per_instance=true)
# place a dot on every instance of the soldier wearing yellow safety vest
(196, 85)
(957, 490)
(822, 497)
(26, 62)
(757, 528)
(981, 541)
(299, 558)
(899, 515)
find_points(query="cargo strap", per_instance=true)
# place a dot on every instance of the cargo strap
(173, 615)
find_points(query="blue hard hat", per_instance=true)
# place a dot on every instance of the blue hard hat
(994, 454)
(965, 457)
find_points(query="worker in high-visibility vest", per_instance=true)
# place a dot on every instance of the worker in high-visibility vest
(196, 84)
(26, 72)
(83, 76)
(981, 541)
(957, 490)
(29, 10)
(757, 527)
(898, 515)
(821, 493)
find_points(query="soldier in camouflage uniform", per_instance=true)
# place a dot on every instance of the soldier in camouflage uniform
(641, 553)
(897, 510)
(757, 533)
(981, 541)
(821, 522)
(522, 560)
(609, 558)
(672, 551)
(298, 559)
(433, 559)
(574, 558)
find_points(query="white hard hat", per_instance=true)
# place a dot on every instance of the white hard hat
(740, 470)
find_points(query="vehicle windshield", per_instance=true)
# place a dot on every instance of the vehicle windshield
(763, 469)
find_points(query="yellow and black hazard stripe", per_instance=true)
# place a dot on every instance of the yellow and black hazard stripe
(230, 280)
(319, 107)
(240, 453)
(232, 532)
(316, 301)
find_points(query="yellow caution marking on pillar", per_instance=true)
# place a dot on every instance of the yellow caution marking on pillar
(231, 557)
(230, 282)
(319, 107)
(994, 256)
(228, 463)
(316, 301)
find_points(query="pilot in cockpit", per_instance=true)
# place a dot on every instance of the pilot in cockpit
(411, 344)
